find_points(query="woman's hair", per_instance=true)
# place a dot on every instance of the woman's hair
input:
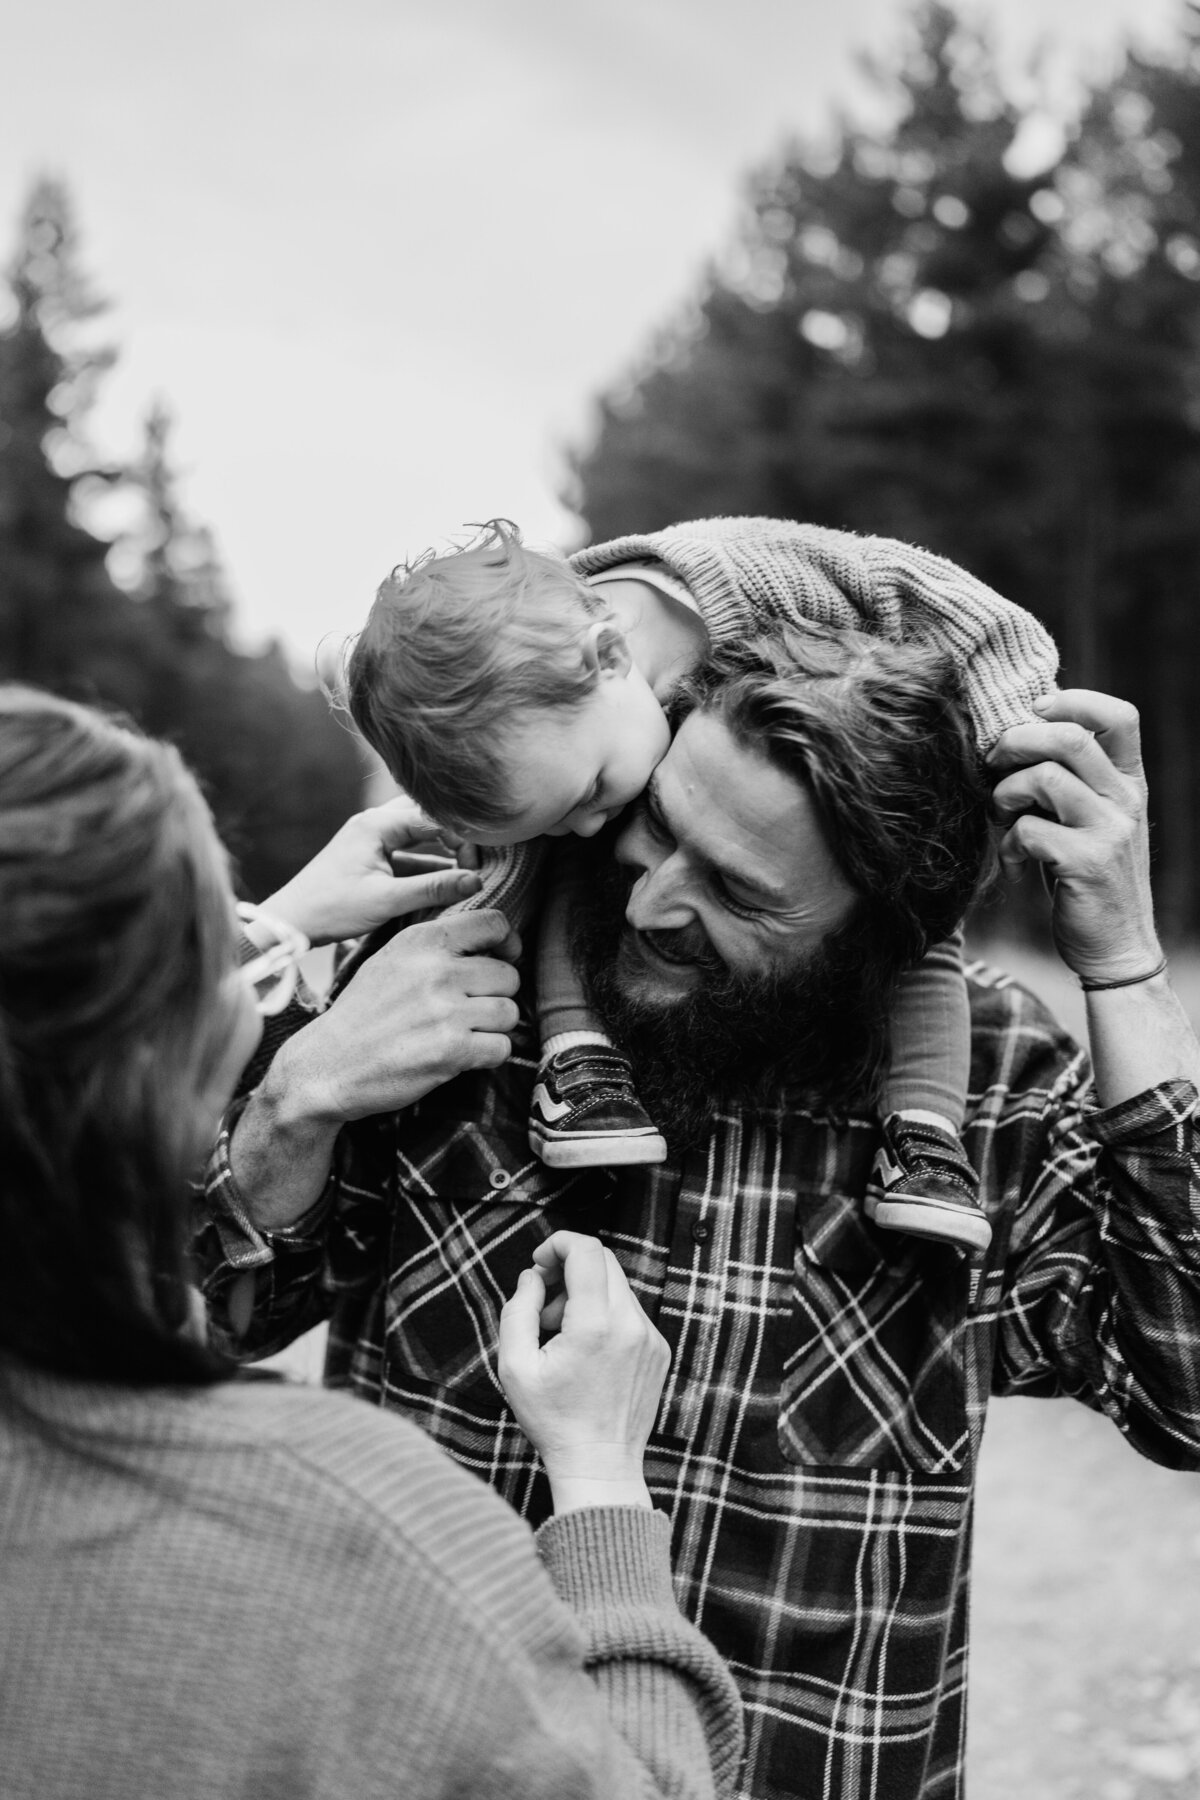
(115, 936)
(455, 649)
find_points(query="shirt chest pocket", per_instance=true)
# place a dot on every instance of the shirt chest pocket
(873, 1366)
(463, 1228)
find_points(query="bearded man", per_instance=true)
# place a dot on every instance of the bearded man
(819, 819)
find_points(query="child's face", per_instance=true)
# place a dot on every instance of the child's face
(572, 768)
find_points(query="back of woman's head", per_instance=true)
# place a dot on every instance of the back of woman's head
(115, 935)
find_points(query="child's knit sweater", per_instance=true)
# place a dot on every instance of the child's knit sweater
(753, 575)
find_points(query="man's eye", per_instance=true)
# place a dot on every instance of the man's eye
(738, 907)
(654, 825)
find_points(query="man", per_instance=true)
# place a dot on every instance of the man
(817, 1440)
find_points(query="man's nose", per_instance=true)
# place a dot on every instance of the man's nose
(659, 899)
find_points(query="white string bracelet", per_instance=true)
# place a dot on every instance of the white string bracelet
(1100, 987)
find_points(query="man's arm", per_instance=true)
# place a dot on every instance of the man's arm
(1099, 1291)
(433, 1002)
(1072, 795)
(1102, 1285)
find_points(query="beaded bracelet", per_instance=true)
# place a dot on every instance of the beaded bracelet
(1099, 987)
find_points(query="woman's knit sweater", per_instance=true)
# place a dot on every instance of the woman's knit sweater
(271, 1592)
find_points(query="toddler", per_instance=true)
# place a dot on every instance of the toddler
(518, 696)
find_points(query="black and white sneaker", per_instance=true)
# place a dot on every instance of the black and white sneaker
(923, 1184)
(585, 1113)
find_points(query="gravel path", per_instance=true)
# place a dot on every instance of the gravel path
(1085, 1677)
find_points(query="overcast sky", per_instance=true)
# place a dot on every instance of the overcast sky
(377, 255)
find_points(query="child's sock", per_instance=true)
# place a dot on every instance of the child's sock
(916, 1115)
(567, 1040)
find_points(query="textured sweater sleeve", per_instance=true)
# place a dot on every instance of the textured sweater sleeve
(262, 1589)
(602, 1691)
(755, 574)
(665, 1689)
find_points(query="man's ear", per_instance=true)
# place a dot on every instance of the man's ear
(605, 648)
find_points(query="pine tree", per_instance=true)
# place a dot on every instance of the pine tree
(279, 770)
(918, 337)
(869, 356)
(63, 623)
(1131, 227)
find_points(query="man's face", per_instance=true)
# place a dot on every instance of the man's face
(730, 866)
(723, 947)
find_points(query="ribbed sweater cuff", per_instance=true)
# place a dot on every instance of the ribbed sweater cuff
(609, 1556)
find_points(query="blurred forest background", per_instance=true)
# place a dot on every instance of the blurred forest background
(924, 330)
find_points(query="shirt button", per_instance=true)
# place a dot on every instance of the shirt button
(701, 1232)
(500, 1178)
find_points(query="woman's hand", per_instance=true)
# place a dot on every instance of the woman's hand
(383, 864)
(586, 1398)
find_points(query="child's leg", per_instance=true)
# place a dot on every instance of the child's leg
(926, 1185)
(931, 1039)
(563, 1008)
(585, 1112)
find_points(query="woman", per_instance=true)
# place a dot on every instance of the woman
(212, 1585)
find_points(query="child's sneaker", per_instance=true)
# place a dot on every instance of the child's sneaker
(922, 1183)
(585, 1112)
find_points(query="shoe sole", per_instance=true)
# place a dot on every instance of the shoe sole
(931, 1219)
(578, 1152)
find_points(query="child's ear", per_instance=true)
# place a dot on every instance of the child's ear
(605, 648)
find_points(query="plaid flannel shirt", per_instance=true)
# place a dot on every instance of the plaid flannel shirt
(817, 1439)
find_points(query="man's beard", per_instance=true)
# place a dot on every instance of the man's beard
(820, 1027)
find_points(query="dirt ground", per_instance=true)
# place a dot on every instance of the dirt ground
(1085, 1677)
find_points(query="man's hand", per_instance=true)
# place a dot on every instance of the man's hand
(383, 864)
(586, 1398)
(1074, 800)
(434, 1001)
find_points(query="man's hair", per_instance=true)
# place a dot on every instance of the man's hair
(879, 737)
(117, 936)
(456, 647)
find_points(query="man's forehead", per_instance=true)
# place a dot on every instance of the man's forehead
(745, 832)
(724, 798)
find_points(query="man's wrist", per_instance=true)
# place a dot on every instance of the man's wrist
(282, 1146)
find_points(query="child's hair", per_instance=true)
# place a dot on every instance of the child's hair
(456, 647)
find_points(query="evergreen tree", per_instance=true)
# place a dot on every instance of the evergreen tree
(63, 623)
(1131, 227)
(279, 770)
(918, 337)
